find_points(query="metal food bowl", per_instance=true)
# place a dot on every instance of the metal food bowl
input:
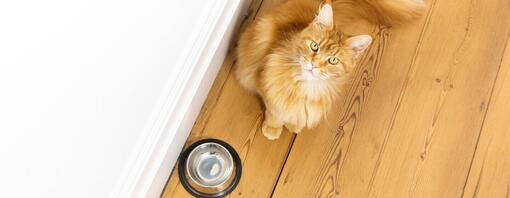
(209, 168)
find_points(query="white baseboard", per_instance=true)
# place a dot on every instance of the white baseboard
(180, 103)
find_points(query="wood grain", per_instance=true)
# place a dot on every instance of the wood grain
(341, 153)
(427, 115)
(232, 114)
(435, 131)
(490, 173)
(414, 130)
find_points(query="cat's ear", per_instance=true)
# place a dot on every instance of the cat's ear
(325, 16)
(359, 44)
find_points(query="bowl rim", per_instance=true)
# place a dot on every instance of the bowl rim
(183, 160)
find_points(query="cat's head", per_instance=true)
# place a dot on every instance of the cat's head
(323, 52)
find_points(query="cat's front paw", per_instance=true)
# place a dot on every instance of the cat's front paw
(293, 128)
(271, 133)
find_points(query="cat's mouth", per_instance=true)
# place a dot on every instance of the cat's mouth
(308, 67)
(313, 70)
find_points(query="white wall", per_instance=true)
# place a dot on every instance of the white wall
(82, 85)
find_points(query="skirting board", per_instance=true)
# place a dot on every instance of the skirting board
(173, 117)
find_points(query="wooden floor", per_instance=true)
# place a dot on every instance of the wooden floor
(427, 116)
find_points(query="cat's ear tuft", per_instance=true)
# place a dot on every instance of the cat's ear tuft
(359, 44)
(325, 16)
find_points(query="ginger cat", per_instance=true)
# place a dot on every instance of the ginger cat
(297, 59)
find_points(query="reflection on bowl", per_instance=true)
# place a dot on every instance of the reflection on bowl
(209, 168)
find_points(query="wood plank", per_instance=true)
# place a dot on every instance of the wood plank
(411, 127)
(435, 133)
(490, 173)
(356, 126)
(234, 115)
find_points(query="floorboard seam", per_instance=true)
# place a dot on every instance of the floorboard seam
(400, 98)
(291, 145)
(506, 47)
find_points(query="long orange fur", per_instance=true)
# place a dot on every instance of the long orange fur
(296, 58)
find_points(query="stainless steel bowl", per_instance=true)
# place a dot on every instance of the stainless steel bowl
(210, 165)
(209, 168)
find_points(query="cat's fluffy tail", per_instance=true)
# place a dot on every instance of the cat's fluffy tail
(386, 12)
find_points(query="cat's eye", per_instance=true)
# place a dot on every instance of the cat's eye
(314, 46)
(333, 60)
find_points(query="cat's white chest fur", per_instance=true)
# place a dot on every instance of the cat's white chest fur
(315, 89)
(309, 111)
